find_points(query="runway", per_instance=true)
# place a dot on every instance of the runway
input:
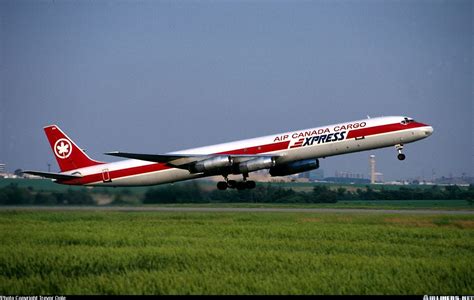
(239, 209)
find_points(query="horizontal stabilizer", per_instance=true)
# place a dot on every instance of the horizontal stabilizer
(52, 175)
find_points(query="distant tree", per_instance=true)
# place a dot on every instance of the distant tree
(368, 194)
(189, 193)
(341, 193)
(322, 194)
(469, 194)
(119, 200)
(43, 198)
(13, 195)
(75, 197)
(453, 192)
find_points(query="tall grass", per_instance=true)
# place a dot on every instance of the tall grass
(234, 253)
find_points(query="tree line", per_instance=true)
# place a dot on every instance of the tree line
(192, 192)
(14, 195)
(319, 194)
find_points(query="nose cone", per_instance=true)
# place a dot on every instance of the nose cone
(428, 130)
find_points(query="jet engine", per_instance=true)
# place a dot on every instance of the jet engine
(256, 164)
(295, 167)
(212, 164)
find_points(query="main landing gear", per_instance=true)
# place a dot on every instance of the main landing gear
(400, 155)
(239, 185)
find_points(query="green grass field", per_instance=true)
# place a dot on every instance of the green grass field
(234, 253)
(356, 204)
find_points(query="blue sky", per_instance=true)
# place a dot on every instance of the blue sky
(159, 76)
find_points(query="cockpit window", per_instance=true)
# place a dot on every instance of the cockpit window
(406, 121)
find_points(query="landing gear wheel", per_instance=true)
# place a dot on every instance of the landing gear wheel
(231, 184)
(241, 185)
(222, 185)
(401, 156)
(250, 184)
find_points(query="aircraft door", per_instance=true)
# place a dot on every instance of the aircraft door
(106, 175)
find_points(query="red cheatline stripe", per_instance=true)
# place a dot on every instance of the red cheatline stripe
(300, 141)
(298, 144)
(160, 166)
(382, 129)
(120, 173)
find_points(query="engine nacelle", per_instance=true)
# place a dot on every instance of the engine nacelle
(212, 164)
(295, 167)
(256, 164)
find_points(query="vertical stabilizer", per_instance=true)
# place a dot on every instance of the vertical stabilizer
(68, 155)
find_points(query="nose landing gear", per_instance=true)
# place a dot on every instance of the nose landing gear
(400, 155)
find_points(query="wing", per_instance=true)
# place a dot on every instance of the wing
(52, 175)
(173, 160)
(191, 162)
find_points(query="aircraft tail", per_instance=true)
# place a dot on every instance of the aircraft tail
(68, 155)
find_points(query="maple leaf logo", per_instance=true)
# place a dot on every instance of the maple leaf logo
(62, 148)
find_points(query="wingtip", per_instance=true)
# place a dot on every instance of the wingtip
(113, 153)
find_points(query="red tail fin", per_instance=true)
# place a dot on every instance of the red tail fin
(67, 153)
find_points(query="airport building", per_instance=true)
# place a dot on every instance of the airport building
(3, 172)
(314, 175)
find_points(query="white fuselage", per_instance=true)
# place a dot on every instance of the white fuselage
(290, 146)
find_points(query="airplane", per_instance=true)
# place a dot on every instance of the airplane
(282, 154)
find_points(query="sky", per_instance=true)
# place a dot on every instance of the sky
(161, 76)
